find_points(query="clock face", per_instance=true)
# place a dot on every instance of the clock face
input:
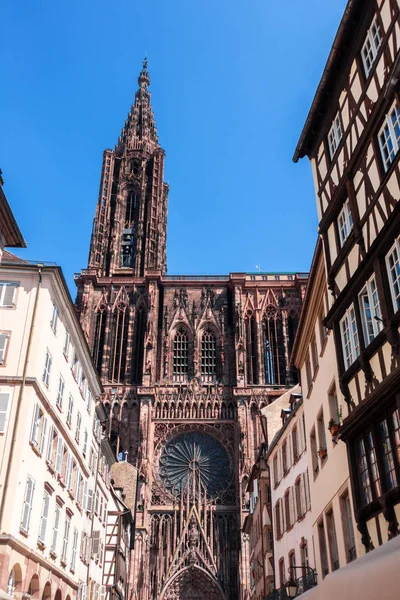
(193, 457)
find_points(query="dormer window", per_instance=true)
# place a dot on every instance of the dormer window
(345, 223)
(335, 135)
(371, 46)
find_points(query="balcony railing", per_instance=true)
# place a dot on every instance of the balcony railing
(303, 585)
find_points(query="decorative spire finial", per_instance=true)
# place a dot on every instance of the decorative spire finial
(144, 78)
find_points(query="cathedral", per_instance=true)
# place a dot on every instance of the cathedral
(186, 363)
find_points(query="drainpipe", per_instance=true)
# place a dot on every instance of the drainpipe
(20, 398)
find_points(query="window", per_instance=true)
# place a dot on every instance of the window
(389, 137)
(367, 467)
(74, 548)
(181, 356)
(295, 444)
(60, 392)
(314, 454)
(333, 547)
(345, 223)
(208, 356)
(8, 293)
(27, 506)
(70, 410)
(67, 342)
(370, 311)
(47, 369)
(275, 468)
(59, 455)
(284, 458)
(371, 46)
(44, 517)
(321, 431)
(39, 427)
(335, 135)
(349, 334)
(348, 528)
(3, 347)
(393, 267)
(314, 355)
(54, 319)
(56, 525)
(85, 442)
(278, 527)
(322, 548)
(65, 539)
(308, 373)
(78, 427)
(4, 406)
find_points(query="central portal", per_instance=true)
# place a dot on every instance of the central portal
(193, 583)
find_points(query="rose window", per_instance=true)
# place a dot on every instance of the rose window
(191, 458)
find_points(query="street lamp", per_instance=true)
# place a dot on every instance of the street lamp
(291, 588)
(292, 585)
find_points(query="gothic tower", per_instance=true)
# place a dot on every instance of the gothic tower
(129, 232)
(186, 362)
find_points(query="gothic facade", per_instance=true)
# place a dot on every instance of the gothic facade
(187, 362)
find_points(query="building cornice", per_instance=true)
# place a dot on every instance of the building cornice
(19, 546)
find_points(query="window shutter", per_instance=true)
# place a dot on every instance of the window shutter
(282, 515)
(8, 290)
(90, 501)
(26, 511)
(291, 506)
(85, 495)
(103, 592)
(55, 528)
(4, 401)
(302, 496)
(43, 436)
(307, 491)
(60, 447)
(68, 471)
(35, 425)
(3, 345)
(43, 520)
(96, 543)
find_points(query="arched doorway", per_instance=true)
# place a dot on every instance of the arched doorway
(192, 583)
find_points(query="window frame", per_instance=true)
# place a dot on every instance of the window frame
(47, 368)
(4, 350)
(345, 223)
(27, 503)
(54, 319)
(391, 140)
(394, 283)
(355, 349)
(3, 287)
(335, 135)
(373, 47)
(5, 412)
(368, 292)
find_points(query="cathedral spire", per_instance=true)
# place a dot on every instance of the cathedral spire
(140, 129)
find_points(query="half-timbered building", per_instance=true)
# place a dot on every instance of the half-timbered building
(352, 138)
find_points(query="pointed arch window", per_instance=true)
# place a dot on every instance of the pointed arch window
(181, 356)
(251, 349)
(98, 346)
(208, 356)
(119, 343)
(274, 348)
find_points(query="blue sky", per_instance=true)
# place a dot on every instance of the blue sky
(231, 83)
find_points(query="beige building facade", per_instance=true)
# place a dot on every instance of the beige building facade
(54, 481)
(290, 498)
(335, 537)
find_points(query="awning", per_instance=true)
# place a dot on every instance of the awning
(374, 576)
